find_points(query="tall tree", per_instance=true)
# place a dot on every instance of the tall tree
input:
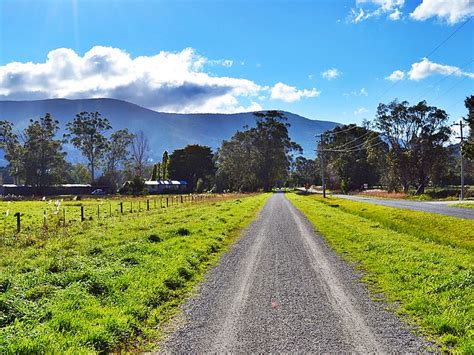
(43, 159)
(305, 172)
(275, 147)
(79, 174)
(87, 133)
(258, 158)
(12, 150)
(192, 163)
(468, 148)
(353, 156)
(416, 136)
(117, 155)
(237, 163)
(140, 150)
(165, 165)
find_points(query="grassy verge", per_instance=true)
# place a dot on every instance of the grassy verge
(462, 204)
(106, 287)
(423, 263)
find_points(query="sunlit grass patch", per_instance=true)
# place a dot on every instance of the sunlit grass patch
(463, 204)
(423, 263)
(108, 286)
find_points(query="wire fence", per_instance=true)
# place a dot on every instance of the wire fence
(22, 221)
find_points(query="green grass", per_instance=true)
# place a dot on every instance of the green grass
(35, 213)
(422, 263)
(462, 204)
(111, 286)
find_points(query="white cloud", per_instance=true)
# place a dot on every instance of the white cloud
(290, 93)
(361, 92)
(396, 15)
(167, 81)
(385, 5)
(396, 76)
(360, 111)
(357, 16)
(426, 68)
(452, 11)
(375, 8)
(330, 74)
(223, 62)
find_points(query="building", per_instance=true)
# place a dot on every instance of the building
(166, 186)
(64, 189)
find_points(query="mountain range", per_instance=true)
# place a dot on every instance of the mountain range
(165, 131)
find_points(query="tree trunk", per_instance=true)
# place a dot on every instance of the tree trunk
(421, 189)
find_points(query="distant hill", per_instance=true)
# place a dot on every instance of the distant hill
(165, 131)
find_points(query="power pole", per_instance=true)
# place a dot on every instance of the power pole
(460, 124)
(321, 156)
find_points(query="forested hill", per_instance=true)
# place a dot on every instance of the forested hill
(164, 130)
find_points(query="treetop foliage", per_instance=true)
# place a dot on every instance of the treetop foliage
(259, 157)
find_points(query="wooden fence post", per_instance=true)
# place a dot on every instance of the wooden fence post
(18, 222)
(82, 213)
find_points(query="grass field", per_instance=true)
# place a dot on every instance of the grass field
(423, 264)
(431, 194)
(463, 204)
(108, 285)
(40, 216)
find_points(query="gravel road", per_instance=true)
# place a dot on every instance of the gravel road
(281, 288)
(425, 206)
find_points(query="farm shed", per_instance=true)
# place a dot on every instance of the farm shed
(166, 186)
(64, 189)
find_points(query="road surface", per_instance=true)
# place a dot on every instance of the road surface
(281, 288)
(425, 206)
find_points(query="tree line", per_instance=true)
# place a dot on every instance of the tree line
(404, 146)
(253, 159)
(36, 156)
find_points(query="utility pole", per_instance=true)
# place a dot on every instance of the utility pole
(460, 124)
(321, 156)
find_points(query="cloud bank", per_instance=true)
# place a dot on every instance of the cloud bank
(426, 68)
(290, 93)
(167, 81)
(375, 8)
(449, 11)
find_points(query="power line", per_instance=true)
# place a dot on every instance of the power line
(452, 87)
(356, 148)
(354, 140)
(428, 55)
(451, 35)
(350, 150)
(458, 70)
(343, 131)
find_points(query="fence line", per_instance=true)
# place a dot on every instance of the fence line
(63, 217)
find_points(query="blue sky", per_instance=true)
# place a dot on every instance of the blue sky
(328, 60)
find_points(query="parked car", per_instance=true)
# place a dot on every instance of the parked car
(98, 192)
